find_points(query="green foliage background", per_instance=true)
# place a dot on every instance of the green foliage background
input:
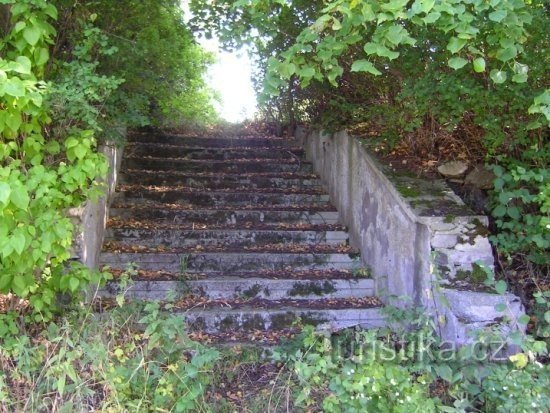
(72, 74)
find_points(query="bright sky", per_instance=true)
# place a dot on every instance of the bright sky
(231, 77)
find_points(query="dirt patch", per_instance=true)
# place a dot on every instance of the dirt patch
(251, 386)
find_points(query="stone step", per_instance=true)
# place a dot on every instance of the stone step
(132, 223)
(259, 342)
(222, 237)
(187, 189)
(288, 274)
(239, 231)
(280, 175)
(229, 217)
(227, 262)
(213, 199)
(214, 142)
(196, 153)
(147, 204)
(221, 167)
(224, 181)
(231, 288)
(279, 315)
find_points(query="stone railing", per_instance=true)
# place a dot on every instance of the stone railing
(416, 237)
(91, 218)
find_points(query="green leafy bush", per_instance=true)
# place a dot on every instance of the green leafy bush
(351, 374)
(72, 74)
(79, 93)
(408, 368)
(41, 175)
(517, 390)
(162, 66)
(135, 358)
(521, 211)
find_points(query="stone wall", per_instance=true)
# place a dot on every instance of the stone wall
(92, 217)
(415, 236)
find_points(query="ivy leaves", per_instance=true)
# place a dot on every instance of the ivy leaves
(517, 190)
(479, 34)
(35, 233)
(365, 66)
(457, 63)
(5, 191)
(479, 65)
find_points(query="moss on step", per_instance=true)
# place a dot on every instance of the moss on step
(476, 276)
(198, 324)
(255, 322)
(475, 229)
(407, 191)
(252, 292)
(284, 320)
(449, 218)
(280, 321)
(311, 288)
(362, 272)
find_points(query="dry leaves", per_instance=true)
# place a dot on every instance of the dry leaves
(118, 223)
(288, 248)
(192, 301)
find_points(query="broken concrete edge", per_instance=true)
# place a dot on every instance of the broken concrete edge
(413, 238)
(91, 218)
(466, 314)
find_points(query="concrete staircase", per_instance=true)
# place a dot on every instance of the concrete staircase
(239, 229)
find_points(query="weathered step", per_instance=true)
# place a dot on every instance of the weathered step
(288, 274)
(286, 175)
(187, 189)
(228, 237)
(229, 217)
(259, 341)
(213, 199)
(147, 204)
(216, 182)
(224, 167)
(215, 142)
(258, 315)
(226, 262)
(131, 223)
(239, 230)
(231, 288)
(190, 152)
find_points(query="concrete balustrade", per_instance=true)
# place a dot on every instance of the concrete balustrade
(420, 242)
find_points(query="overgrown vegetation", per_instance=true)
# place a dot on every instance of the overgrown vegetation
(412, 75)
(133, 358)
(409, 370)
(138, 357)
(74, 74)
